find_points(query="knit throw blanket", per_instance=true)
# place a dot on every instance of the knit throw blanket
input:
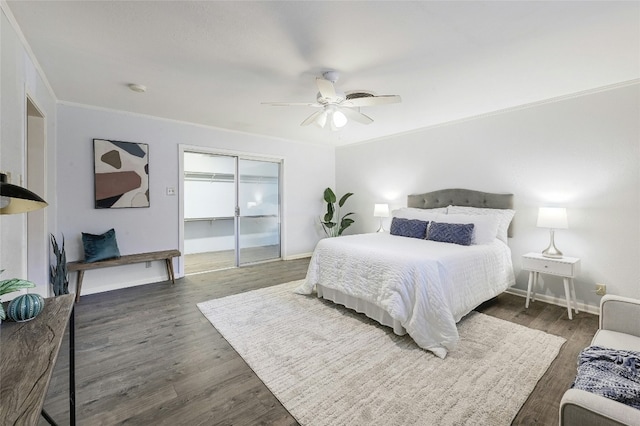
(614, 374)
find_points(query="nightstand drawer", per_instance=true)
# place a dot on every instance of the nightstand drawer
(550, 266)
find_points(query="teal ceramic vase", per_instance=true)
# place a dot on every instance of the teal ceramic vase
(25, 307)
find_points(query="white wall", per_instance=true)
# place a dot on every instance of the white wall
(307, 170)
(581, 153)
(19, 77)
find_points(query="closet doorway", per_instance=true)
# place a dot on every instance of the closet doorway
(231, 211)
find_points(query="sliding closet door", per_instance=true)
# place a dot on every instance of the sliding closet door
(258, 211)
(209, 212)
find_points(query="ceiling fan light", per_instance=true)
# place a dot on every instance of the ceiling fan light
(339, 119)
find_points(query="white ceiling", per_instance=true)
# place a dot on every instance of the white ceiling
(213, 63)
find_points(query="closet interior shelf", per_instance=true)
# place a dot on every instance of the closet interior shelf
(227, 177)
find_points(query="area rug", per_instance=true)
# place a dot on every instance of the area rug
(330, 366)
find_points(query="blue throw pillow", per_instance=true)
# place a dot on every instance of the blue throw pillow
(412, 228)
(100, 247)
(456, 233)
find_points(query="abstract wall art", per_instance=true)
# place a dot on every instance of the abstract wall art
(121, 174)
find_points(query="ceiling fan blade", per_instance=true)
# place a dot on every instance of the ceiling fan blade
(325, 87)
(354, 115)
(292, 104)
(310, 119)
(321, 121)
(372, 100)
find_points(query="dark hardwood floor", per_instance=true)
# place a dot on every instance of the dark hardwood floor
(147, 356)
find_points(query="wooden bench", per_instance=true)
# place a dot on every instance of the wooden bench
(166, 255)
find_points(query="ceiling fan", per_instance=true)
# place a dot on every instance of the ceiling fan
(336, 108)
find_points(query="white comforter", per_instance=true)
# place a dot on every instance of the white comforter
(426, 285)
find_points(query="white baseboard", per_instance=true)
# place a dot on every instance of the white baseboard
(297, 256)
(582, 307)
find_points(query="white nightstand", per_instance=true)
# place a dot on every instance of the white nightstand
(565, 267)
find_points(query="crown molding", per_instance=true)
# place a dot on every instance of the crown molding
(14, 24)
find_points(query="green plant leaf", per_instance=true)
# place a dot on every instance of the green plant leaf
(58, 275)
(14, 284)
(329, 215)
(344, 198)
(329, 196)
(346, 222)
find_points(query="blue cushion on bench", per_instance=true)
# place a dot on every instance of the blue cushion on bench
(100, 247)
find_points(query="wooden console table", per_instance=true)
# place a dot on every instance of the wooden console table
(28, 351)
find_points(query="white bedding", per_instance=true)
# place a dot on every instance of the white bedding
(428, 286)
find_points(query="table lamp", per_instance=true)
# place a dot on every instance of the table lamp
(381, 210)
(552, 218)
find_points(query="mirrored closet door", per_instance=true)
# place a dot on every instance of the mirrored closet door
(259, 211)
(231, 211)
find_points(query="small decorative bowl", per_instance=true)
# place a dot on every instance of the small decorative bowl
(25, 307)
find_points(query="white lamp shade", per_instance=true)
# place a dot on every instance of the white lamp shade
(381, 210)
(552, 217)
(339, 119)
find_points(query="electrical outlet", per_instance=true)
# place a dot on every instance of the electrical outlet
(147, 264)
(601, 289)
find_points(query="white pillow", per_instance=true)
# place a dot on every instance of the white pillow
(485, 227)
(420, 214)
(505, 216)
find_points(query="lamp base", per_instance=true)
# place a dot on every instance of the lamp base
(381, 229)
(551, 251)
(552, 254)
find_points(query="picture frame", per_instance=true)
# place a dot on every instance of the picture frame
(121, 174)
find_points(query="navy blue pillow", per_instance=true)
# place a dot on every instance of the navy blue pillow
(456, 233)
(412, 228)
(100, 247)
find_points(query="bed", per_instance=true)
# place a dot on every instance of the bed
(420, 286)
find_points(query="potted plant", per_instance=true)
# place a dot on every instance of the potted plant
(58, 275)
(9, 286)
(334, 227)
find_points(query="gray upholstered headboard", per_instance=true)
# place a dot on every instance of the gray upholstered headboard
(462, 197)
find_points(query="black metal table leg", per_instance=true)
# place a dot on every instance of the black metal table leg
(72, 367)
(48, 418)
